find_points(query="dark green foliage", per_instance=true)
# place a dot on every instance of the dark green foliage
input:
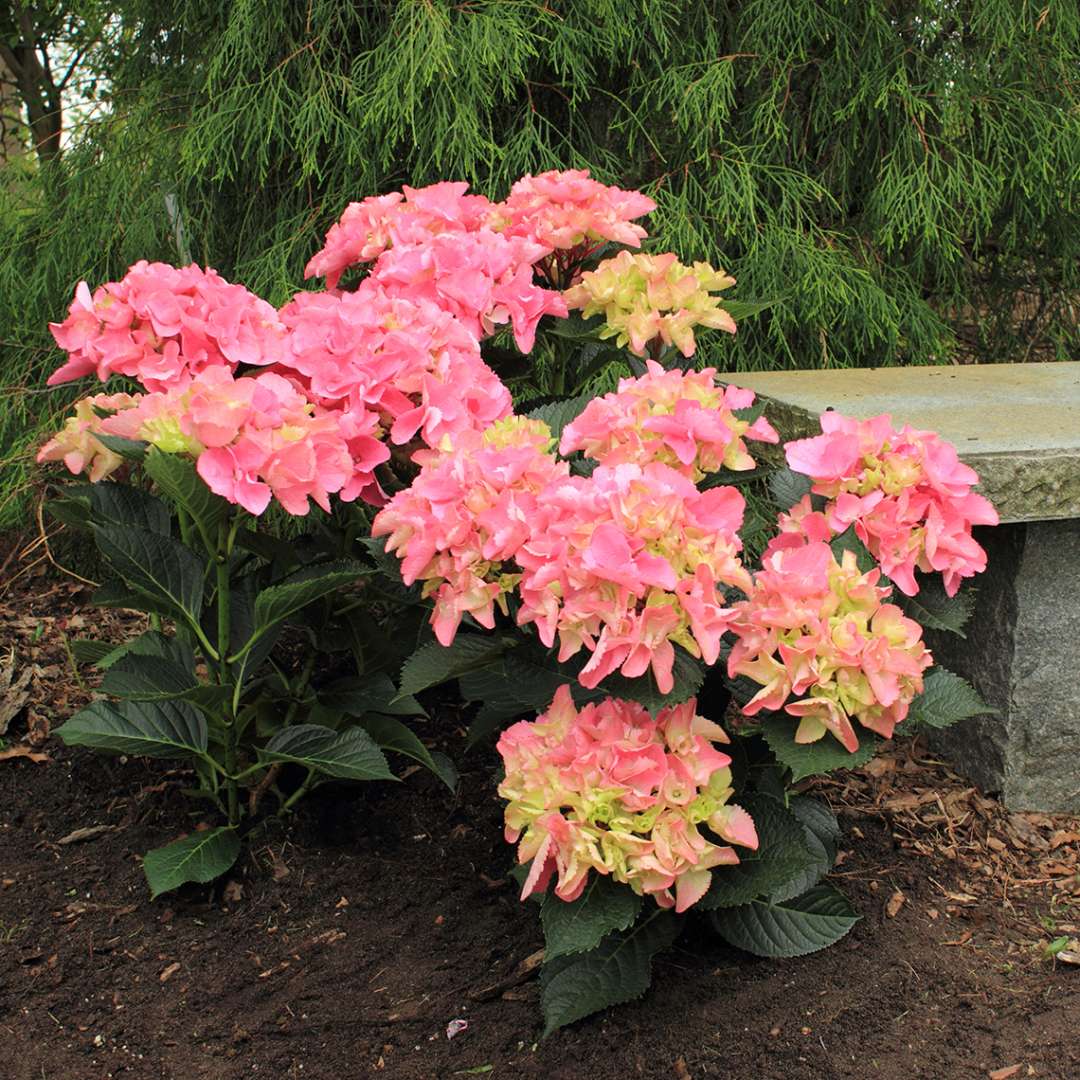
(900, 177)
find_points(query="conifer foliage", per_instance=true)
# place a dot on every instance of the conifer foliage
(900, 177)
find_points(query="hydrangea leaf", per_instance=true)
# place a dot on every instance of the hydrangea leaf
(821, 833)
(783, 856)
(155, 566)
(580, 925)
(163, 729)
(177, 479)
(805, 924)
(935, 610)
(618, 970)
(200, 857)
(806, 759)
(946, 698)
(557, 414)
(391, 734)
(345, 755)
(435, 663)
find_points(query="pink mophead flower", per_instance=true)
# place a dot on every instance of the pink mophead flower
(906, 492)
(460, 525)
(568, 209)
(612, 790)
(162, 325)
(413, 364)
(817, 637)
(252, 439)
(678, 418)
(628, 563)
(75, 443)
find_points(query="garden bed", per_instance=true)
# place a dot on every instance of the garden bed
(345, 942)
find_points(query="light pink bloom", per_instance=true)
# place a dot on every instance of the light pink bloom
(906, 492)
(682, 419)
(817, 631)
(162, 325)
(609, 789)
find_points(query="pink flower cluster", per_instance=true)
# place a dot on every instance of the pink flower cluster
(611, 789)
(629, 562)
(463, 520)
(253, 438)
(818, 630)
(161, 325)
(906, 492)
(566, 210)
(680, 419)
(75, 445)
(410, 362)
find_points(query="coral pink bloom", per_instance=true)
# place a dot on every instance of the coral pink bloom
(613, 790)
(906, 492)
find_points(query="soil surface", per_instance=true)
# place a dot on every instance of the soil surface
(346, 940)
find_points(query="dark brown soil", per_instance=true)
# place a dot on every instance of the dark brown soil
(344, 943)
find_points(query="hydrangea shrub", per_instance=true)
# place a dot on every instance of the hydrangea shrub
(578, 561)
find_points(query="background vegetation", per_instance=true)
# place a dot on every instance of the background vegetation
(903, 178)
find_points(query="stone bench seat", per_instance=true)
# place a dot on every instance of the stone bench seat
(1018, 426)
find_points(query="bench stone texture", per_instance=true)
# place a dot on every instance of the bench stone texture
(1018, 426)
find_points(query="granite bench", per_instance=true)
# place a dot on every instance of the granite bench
(1018, 426)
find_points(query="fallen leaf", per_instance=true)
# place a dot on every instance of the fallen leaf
(879, 766)
(39, 728)
(896, 902)
(169, 972)
(14, 692)
(456, 1027)
(963, 939)
(1063, 836)
(233, 892)
(22, 751)
(1005, 1073)
(90, 832)
(681, 1071)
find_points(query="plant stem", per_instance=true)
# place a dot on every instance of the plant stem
(298, 794)
(221, 558)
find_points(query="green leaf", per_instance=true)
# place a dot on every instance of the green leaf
(618, 970)
(163, 729)
(201, 857)
(575, 328)
(89, 651)
(821, 833)
(807, 759)
(131, 449)
(848, 541)
(156, 567)
(392, 734)
(946, 698)
(795, 927)
(347, 755)
(177, 478)
(781, 858)
(787, 487)
(581, 924)
(275, 604)
(73, 507)
(375, 693)
(557, 414)
(933, 609)
(126, 506)
(435, 663)
(137, 677)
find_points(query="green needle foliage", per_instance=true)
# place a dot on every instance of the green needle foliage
(900, 177)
